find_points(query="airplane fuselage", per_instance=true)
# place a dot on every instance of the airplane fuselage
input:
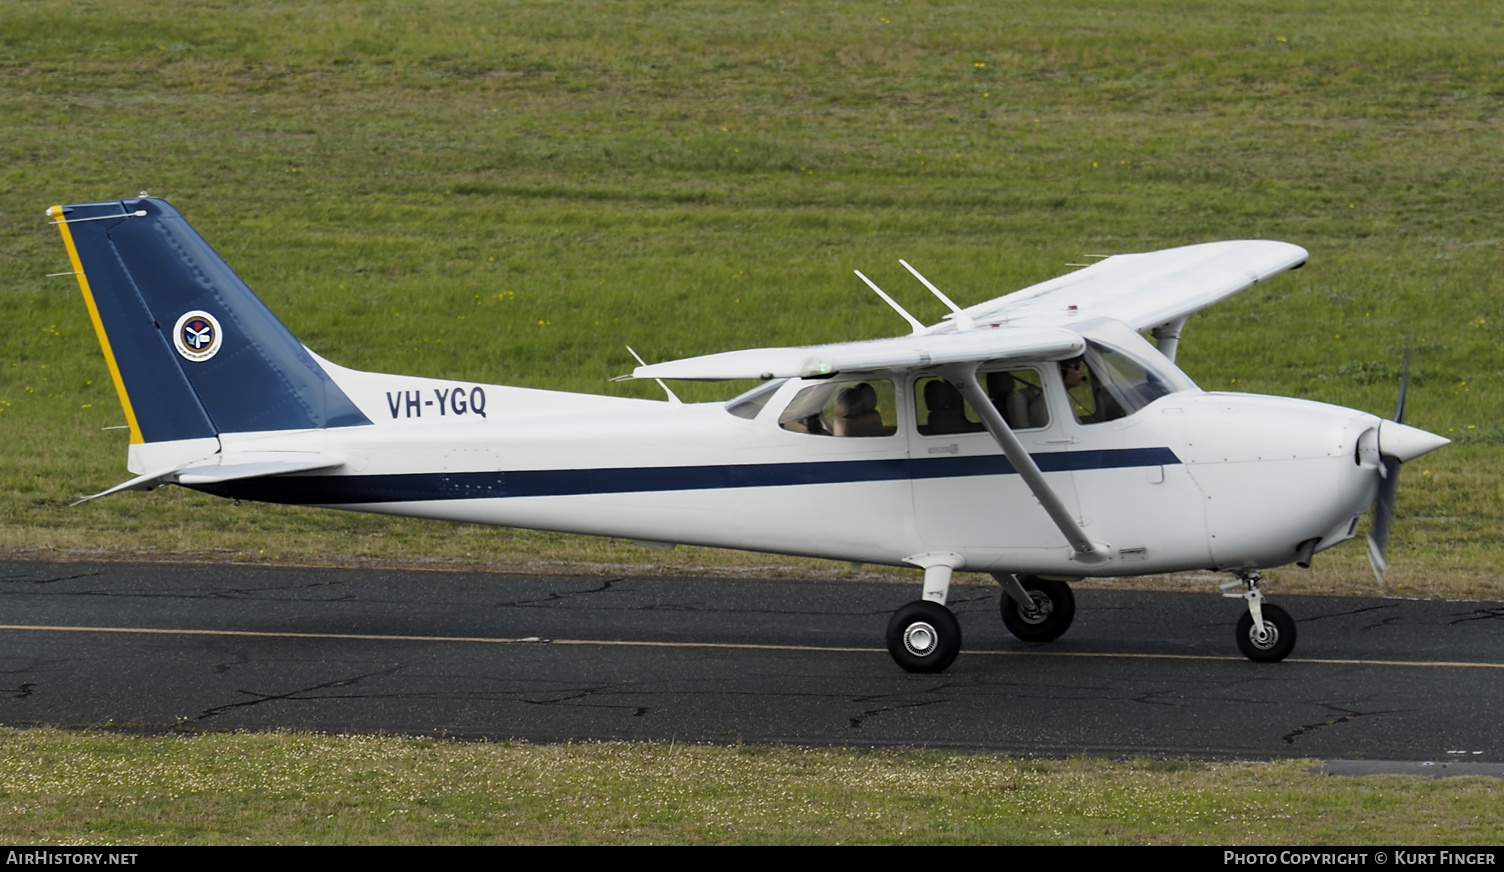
(1036, 436)
(1194, 480)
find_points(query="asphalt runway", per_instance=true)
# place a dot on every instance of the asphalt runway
(558, 658)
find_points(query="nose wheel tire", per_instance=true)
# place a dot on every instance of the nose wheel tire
(924, 637)
(1054, 609)
(1278, 640)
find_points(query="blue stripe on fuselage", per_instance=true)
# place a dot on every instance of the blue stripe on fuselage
(427, 486)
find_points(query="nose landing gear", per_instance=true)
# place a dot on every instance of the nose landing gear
(1266, 632)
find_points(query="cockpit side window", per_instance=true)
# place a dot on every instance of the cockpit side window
(1106, 384)
(1081, 389)
(940, 410)
(1017, 394)
(851, 409)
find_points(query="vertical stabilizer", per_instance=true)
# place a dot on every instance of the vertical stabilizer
(192, 351)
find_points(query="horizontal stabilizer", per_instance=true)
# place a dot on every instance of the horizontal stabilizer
(257, 465)
(902, 353)
(221, 468)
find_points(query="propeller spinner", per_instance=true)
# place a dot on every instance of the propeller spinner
(1397, 442)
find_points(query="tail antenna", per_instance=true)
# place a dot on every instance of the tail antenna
(962, 319)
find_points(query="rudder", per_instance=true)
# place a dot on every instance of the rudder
(192, 351)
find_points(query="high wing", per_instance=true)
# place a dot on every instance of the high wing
(1143, 291)
(904, 352)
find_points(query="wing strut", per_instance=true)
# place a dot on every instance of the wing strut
(1167, 337)
(672, 397)
(964, 377)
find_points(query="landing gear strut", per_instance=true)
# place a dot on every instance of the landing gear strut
(924, 635)
(1036, 609)
(1266, 632)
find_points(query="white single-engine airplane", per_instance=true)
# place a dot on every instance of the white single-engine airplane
(1037, 437)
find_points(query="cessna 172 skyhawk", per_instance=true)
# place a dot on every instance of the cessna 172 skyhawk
(1038, 437)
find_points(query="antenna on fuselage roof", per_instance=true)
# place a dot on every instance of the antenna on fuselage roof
(672, 397)
(962, 319)
(918, 327)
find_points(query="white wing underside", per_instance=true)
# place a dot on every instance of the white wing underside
(903, 352)
(1142, 291)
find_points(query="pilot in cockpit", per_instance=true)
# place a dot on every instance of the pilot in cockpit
(1089, 401)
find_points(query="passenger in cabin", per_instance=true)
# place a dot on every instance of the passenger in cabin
(856, 413)
(840, 409)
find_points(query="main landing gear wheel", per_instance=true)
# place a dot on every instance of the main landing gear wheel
(924, 637)
(1054, 609)
(1279, 636)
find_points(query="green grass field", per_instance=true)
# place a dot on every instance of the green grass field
(512, 192)
(90, 788)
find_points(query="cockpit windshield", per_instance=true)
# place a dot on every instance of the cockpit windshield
(1124, 373)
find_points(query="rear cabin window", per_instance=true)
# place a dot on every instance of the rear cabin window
(848, 409)
(747, 405)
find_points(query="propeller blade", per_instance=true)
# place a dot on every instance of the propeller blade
(1399, 404)
(1383, 518)
(1405, 443)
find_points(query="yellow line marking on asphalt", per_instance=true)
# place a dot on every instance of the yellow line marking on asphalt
(735, 646)
(1460, 664)
(526, 640)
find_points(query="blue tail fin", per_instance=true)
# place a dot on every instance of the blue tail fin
(192, 351)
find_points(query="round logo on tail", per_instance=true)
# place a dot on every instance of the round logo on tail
(197, 336)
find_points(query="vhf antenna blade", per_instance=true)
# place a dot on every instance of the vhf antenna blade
(918, 327)
(963, 319)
